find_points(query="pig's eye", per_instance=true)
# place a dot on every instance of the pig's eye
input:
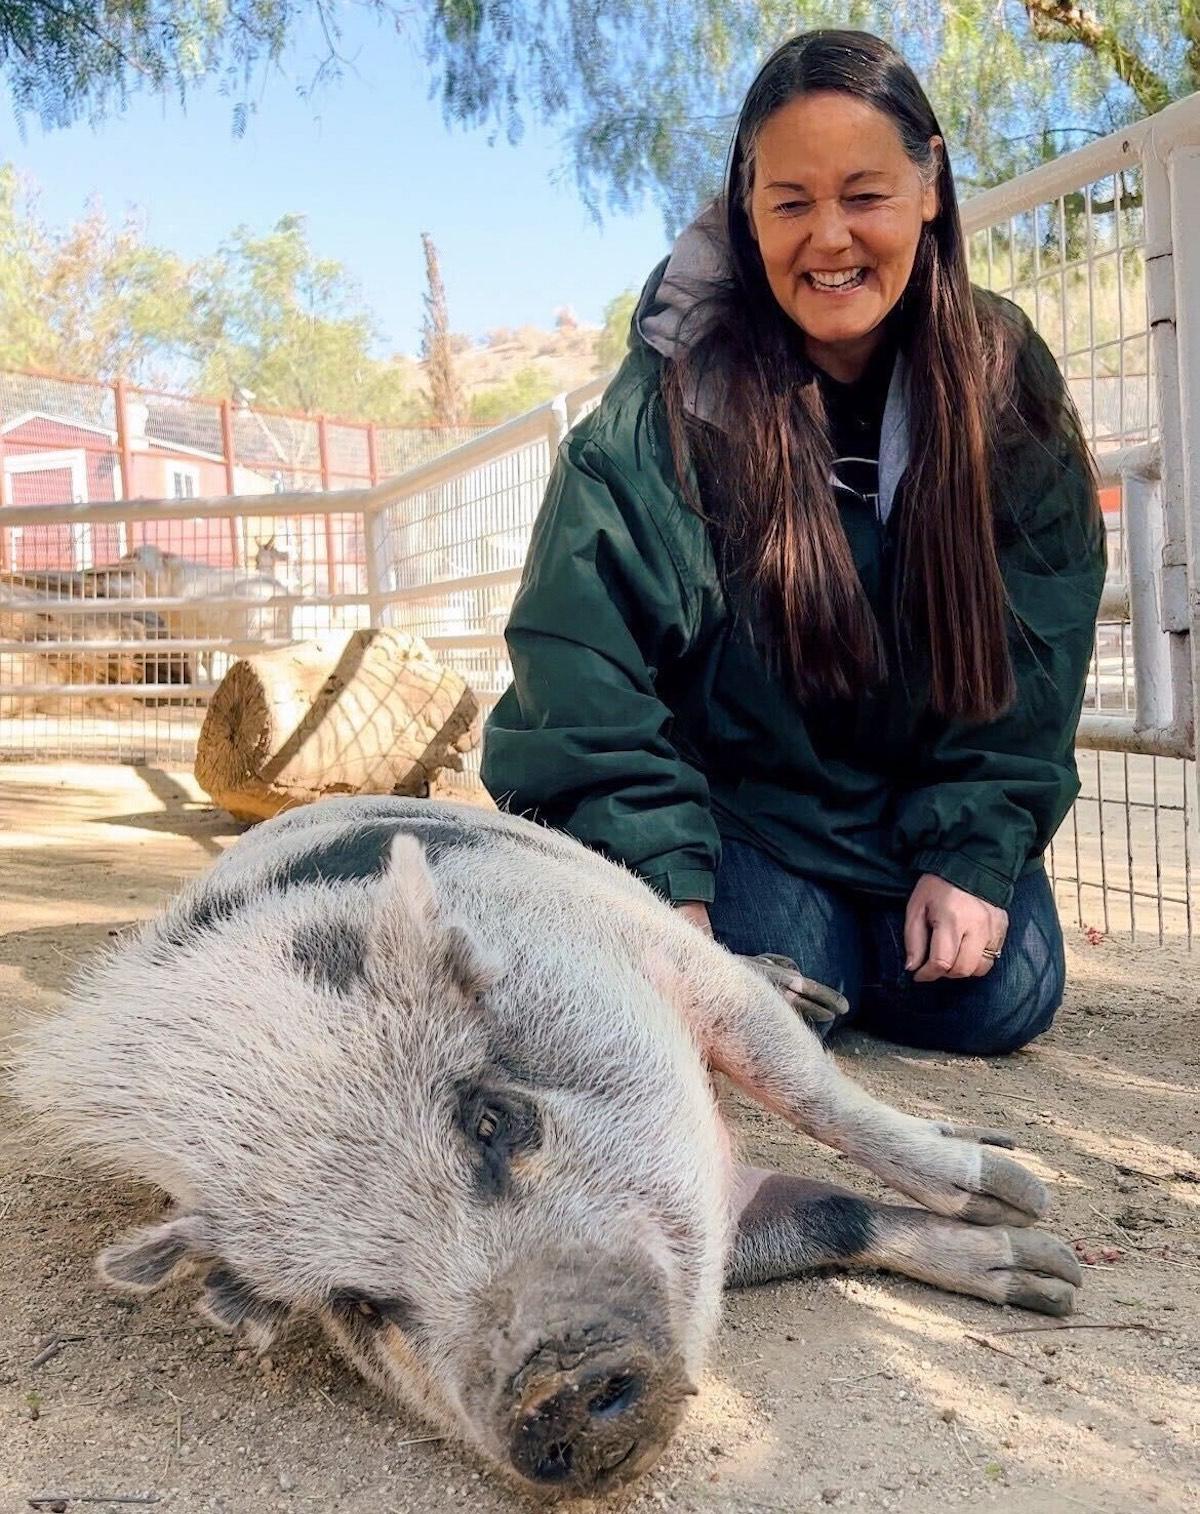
(349, 1302)
(487, 1126)
(499, 1126)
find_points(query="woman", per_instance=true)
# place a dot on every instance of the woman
(805, 624)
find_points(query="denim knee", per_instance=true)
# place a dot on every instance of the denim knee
(980, 1017)
(763, 907)
(1020, 1006)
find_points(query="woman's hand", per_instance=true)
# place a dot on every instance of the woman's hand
(949, 933)
(697, 913)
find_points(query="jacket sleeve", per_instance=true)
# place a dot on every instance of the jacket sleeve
(998, 792)
(581, 739)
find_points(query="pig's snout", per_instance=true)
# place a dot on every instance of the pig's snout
(579, 1430)
(594, 1404)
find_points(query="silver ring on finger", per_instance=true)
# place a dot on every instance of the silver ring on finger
(992, 953)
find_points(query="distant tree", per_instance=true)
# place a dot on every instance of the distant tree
(446, 402)
(614, 334)
(529, 387)
(92, 300)
(275, 319)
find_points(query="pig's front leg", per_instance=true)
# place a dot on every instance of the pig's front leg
(750, 1034)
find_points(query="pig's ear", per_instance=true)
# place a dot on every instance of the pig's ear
(230, 1303)
(469, 967)
(150, 1257)
(410, 920)
(407, 889)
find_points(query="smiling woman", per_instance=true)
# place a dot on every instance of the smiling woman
(806, 618)
(838, 246)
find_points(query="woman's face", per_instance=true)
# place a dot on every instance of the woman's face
(837, 210)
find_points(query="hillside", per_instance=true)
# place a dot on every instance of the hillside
(512, 369)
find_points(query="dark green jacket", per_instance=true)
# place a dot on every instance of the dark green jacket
(642, 720)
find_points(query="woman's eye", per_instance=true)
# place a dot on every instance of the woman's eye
(791, 207)
(869, 199)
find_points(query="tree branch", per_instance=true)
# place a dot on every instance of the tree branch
(1068, 21)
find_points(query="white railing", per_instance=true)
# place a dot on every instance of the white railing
(1101, 247)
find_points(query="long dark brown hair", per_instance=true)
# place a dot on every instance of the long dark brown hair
(763, 473)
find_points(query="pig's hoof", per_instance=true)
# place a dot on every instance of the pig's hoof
(1041, 1274)
(1006, 1193)
(1028, 1269)
(813, 1001)
(973, 1182)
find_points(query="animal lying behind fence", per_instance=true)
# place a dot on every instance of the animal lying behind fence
(31, 614)
(169, 576)
(443, 1079)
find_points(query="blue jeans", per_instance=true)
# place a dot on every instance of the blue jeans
(855, 943)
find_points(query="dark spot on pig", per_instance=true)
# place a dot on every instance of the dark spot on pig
(353, 855)
(362, 852)
(148, 1261)
(498, 1126)
(441, 833)
(792, 1225)
(230, 1301)
(839, 1225)
(181, 928)
(330, 953)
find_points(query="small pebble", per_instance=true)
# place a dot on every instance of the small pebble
(949, 1415)
(830, 1495)
(286, 1482)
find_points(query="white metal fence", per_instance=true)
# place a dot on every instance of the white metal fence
(1101, 247)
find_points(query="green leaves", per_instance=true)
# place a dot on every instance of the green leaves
(263, 314)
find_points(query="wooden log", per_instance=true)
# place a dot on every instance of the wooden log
(358, 712)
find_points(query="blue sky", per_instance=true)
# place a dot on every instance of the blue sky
(372, 165)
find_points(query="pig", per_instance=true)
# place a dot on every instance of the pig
(444, 1079)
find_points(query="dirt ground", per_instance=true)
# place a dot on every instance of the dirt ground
(836, 1392)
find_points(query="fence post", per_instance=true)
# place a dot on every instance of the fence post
(3, 501)
(373, 452)
(373, 532)
(558, 423)
(330, 544)
(1184, 174)
(124, 453)
(227, 452)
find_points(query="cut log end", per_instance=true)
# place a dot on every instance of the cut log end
(364, 712)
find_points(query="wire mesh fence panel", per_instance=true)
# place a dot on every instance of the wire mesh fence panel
(119, 659)
(81, 675)
(1076, 265)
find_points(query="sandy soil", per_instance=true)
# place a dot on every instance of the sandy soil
(835, 1392)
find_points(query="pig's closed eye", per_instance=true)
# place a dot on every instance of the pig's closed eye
(364, 1309)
